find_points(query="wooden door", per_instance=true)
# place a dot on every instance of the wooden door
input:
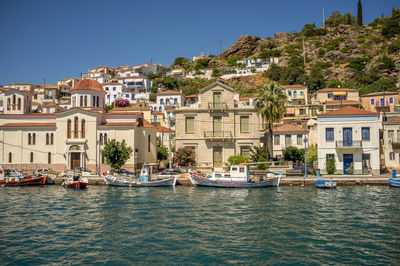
(217, 157)
(217, 126)
(217, 99)
(75, 160)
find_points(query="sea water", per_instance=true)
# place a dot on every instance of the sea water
(188, 225)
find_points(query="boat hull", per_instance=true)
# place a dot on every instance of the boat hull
(34, 181)
(198, 180)
(394, 182)
(135, 183)
(79, 184)
(321, 183)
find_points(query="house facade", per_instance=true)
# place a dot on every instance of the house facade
(391, 143)
(287, 135)
(351, 137)
(380, 101)
(217, 126)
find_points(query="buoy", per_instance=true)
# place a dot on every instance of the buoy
(290, 185)
(302, 185)
(367, 186)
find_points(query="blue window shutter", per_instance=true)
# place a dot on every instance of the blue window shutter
(372, 101)
(391, 100)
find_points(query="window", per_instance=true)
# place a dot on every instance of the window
(301, 93)
(127, 95)
(155, 118)
(175, 100)
(149, 142)
(315, 96)
(29, 139)
(49, 157)
(390, 134)
(288, 140)
(10, 157)
(108, 96)
(189, 125)
(31, 157)
(85, 100)
(365, 133)
(33, 138)
(391, 156)
(106, 88)
(372, 101)
(69, 129)
(114, 88)
(115, 96)
(83, 128)
(9, 104)
(76, 129)
(277, 139)
(81, 101)
(51, 138)
(330, 95)
(302, 111)
(98, 101)
(244, 124)
(101, 138)
(47, 139)
(19, 103)
(382, 102)
(14, 103)
(390, 100)
(161, 101)
(94, 101)
(329, 134)
(299, 139)
(105, 137)
(245, 151)
(48, 110)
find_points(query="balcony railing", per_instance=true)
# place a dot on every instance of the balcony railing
(218, 135)
(349, 144)
(395, 142)
(217, 107)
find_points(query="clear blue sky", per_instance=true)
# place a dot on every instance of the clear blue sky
(54, 39)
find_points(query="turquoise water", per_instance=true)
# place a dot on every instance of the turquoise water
(187, 225)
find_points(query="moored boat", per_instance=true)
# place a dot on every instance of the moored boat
(322, 183)
(143, 180)
(76, 181)
(238, 177)
(394, 182)
(20, 180)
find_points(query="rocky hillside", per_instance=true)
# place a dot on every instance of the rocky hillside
(341, 51)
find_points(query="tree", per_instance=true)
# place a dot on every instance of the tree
(236, 159)
(392, 24)
(293, 154)
(270, 104)
(170, 83)
(116, 153)
(274, 72)
(359, 14)
(182, 62)
(162, 153)
(330, 165)
(259, 154)
(312, 154)
(184, 156)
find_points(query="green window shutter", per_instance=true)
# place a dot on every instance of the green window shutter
(245, 151)
(189, 125)
(244, 124)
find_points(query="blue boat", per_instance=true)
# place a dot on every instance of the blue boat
(394, 182)
(322, 183)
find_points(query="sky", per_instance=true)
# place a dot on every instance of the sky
(54, 39)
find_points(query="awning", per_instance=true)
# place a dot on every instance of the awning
(339, 93)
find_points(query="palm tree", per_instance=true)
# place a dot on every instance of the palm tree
(271, 105)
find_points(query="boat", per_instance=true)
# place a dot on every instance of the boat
(238, 177)
(76, 181)
(143, 180)
(322, 183)
(394, 182)
(20, 180)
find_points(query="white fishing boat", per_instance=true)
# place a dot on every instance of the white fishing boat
(238, 177)
(143, 180)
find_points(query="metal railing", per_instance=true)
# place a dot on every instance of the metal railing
(349, 144)
(218, 135)
(222, 107)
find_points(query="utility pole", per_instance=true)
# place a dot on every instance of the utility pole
(169, 143)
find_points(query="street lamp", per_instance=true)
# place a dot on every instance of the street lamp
(305, 155)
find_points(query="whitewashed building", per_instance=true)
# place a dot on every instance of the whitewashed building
(351, 136)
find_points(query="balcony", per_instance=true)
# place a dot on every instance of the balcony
(218, 135)
(217, 107)
(395, 143)
(355, 144)
(76, 141)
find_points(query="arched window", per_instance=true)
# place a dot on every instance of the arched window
(148, 147)
(8, 104)
(10, 157)
(69, 129)
(49, 157)
(83, 127)
(101, 138)
(19, 103)
(81, 101)
(85, 100)
(94, 101)
(98, 99)
(33, 138)
(29, 139)
(47, 139)
(76, 130)
(52, 139)
(31, 160)
(105, 138)
(14, 102)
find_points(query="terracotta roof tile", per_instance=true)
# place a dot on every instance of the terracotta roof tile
(169, 92)
(88, 84)
(344, 102)
(29, 125)
(244, 98)
(288, 128)
(120, 124)
(348, 111)
(381, 93)
(164, 129)
(192, 96)
(147, 123)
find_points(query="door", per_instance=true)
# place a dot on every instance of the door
(217, 157)
(366, 163)
(347, 136)
(75, 160)
(294, 94)
(347, 161)
(217, 99)
(217, 126)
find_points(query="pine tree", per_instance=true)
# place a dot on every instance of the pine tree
(359, 14)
